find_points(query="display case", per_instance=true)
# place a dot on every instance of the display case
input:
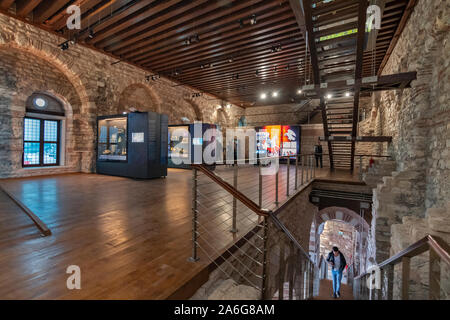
(133, 145)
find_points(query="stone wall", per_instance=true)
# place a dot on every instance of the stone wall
(418, 119)
(290, 114)
(88, 85)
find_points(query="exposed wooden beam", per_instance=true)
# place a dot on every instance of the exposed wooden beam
(24, 7)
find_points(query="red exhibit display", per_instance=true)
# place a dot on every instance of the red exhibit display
(275, 141)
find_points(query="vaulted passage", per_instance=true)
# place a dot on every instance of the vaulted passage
(225, 150)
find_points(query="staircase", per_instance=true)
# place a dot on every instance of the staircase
(339, 118)
(326, 291)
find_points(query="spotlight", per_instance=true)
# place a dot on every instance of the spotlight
(91, 34)
(329, 96)
(263, 95)
(241, 23)
(228, 106)
(253, 20)
(347, 94)
(257, 73)
(219, 107)
(195, 38)
(64, 46)
(147, 78)
(275, 94)
(230, 60)
(187, 41)
(299, 91)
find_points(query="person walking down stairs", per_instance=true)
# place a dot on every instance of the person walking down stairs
(338, 263)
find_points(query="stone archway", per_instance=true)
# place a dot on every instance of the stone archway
(138, 97)
(69, 89)
(196, 108)
(364, 244)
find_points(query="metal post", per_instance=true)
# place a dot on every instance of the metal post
(276, 187)
(287, 175)
(235, 183)
(314, 167)
(264, 266)
(311, 167)
(303, 163)
(194, 257)
(260, 186)
(296, 172)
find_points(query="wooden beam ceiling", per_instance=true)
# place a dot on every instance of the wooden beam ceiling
(244, 47)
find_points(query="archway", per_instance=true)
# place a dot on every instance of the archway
(348, 221)
(138, 97)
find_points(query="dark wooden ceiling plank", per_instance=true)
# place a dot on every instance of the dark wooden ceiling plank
(24, 7)
(59, 21)
(264, 43)
(132, 18)
(224, 28)
(6, 4)
(159, 24)
(184, 26)
(217, 45)
(47, 9)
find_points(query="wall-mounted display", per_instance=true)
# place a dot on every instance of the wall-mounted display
(133, 145)
(275, 141)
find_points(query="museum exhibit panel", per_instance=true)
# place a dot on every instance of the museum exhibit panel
(133, 145)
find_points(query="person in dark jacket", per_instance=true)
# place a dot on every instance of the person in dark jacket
(318, 153)
(338, 263)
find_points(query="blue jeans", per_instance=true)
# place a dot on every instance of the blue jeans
(337, 277)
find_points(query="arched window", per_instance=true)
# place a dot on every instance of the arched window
(42, 131)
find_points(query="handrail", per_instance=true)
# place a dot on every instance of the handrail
(235, 193)
(265, 158)
(441, 248)
(282, 227)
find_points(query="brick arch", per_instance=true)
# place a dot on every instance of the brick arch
(126, 100)
(55, 57)
(196, 108)
(342, 214)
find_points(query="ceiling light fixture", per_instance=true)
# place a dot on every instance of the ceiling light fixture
(64, 46)
(253, 20)
(275, 94)
(263, 95)
(347, 94)
(228, 106)
(299, 91)
(91, 34)
(241, 23)
(329, 96)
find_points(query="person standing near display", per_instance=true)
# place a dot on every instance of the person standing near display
(318, 152)
(338, 264)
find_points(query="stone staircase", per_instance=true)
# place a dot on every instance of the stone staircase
(436, 223)
(374, 175)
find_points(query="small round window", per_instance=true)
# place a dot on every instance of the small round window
(40, 103)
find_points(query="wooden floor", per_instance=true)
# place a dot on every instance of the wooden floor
(130, 238)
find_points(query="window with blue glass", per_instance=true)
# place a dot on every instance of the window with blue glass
(41, 142)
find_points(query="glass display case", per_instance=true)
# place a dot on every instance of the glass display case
(112, 139)
(133, 145)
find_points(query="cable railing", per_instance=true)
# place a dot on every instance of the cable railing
(234, 225)
(387, 282)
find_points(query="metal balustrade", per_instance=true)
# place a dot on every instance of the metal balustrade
(378, 283)
(234, 224)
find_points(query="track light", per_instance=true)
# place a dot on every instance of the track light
(241, 23)
(299, 91)
(230, 60)
(347, 94)
(329, 96)
(91, 34)
(228, 106)
(253, 20)
(195, 38)
(274, 94)
(263, 95)
(219, 107)
(257, 73)
(187, 41)
(64, 46)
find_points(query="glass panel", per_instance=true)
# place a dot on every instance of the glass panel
(50, 153)
(32, 130)
(50, 131)
(31, 153)
(112, 139)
